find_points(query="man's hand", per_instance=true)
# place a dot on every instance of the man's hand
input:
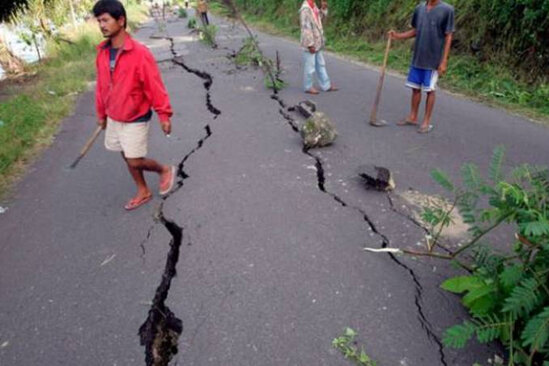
(324, 5)
(442, 68)
(312, 49)
(404, 35)
(102, 122)
(166, 126)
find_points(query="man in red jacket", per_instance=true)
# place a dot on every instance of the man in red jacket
(128, 86)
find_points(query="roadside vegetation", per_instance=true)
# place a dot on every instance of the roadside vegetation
(506, 293)
(348, 347)
(208, 34)
(500, 54)
(35, 99)
(250, 54)
(505, 290)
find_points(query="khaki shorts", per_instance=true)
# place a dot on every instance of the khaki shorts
(129, 138)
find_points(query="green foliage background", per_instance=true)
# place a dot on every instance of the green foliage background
(515, 32)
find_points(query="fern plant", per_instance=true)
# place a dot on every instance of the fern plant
(507, 295)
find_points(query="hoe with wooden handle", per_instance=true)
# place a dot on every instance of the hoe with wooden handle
(373, 115)
(86, 147)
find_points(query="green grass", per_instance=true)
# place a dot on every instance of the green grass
(17, 133)
(488, 82)
(31, 115)
(31, 118)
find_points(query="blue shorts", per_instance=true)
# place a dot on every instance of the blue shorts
(422, 79)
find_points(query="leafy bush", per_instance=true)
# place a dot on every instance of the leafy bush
(275, 83)
(507, 294)
(182, 13)
(249, 55)
(191, 24)
(208, 34)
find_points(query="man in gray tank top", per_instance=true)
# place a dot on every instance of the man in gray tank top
(433, 27)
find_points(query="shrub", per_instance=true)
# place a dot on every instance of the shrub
(208, 34)
(191, 24)
(507, 294)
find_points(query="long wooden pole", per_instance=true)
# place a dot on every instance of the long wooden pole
(87, 147)
(373, 115)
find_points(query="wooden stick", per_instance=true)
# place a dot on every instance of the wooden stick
(87, 147)
(373, 115)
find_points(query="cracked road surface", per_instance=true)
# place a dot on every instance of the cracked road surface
(270, 266)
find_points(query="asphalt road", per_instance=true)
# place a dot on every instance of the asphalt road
(271, 265)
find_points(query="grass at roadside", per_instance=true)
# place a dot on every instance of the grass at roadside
(490, 83)
(31, 113)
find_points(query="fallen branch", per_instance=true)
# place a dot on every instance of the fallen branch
(267, 68)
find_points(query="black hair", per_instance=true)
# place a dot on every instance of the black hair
(113, 7)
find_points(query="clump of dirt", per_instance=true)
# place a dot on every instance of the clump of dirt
(417, 201)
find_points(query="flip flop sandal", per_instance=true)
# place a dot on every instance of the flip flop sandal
(133, 204)
(164, 192)
(425, 130)
(406, 122)
(332, 89)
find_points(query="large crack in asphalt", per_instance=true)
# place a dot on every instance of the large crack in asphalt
(160, 332)
(321, 183)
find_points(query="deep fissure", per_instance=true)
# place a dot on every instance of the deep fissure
(161, 320)
(321, 183)
(160, 332)
(208, 79)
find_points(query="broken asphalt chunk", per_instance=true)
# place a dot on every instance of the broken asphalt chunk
(377, 178)
(306, 108)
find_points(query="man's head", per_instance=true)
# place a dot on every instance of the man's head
(111, 16)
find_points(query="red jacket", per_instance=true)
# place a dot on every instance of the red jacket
(134, 87)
